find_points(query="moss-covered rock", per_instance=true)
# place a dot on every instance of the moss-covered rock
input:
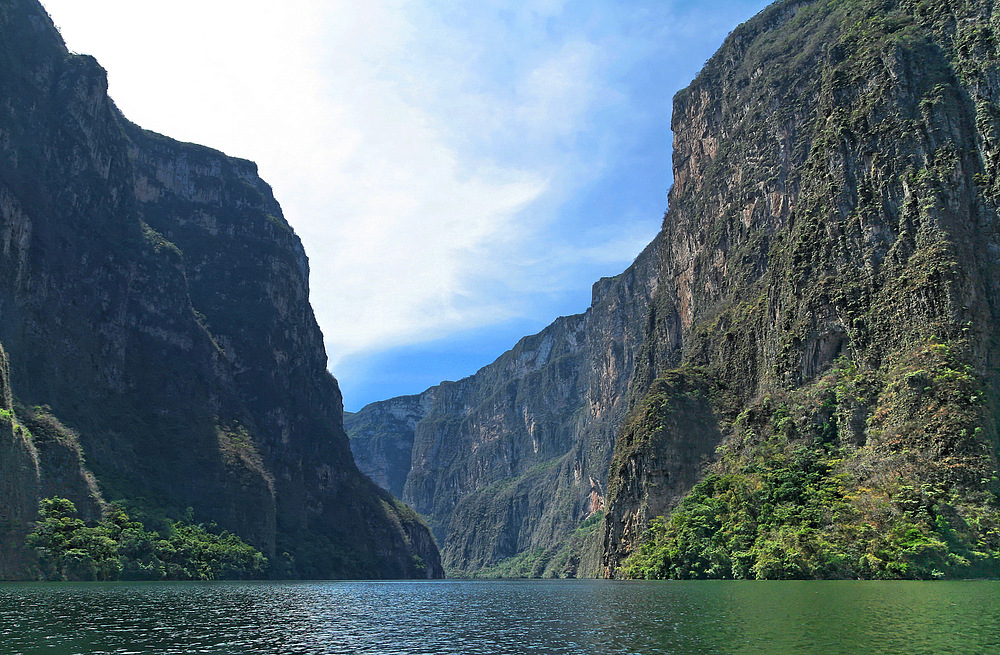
(833, 265)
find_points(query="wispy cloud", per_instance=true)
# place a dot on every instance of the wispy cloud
(449, 165)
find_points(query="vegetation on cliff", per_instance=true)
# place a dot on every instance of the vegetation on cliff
(118, 548)
(571, 558)
(795, 494)
(840, 302)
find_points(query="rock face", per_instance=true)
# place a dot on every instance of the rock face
(155, 299)
(39, 458)
(19, 483)
(512, 460)
(813, 327)
(830, 259)
(382, 438)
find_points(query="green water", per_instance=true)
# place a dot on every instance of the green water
(502, 617)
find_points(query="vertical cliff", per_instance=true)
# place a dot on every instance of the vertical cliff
(39, 458)
(382, 438)
(512, 461)
(155, 300)
(19, 482)
(830, 256)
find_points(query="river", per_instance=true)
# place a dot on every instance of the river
(498, 617)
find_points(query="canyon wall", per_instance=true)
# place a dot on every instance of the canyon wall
(798, 377)
(155, 300)
(512, 460)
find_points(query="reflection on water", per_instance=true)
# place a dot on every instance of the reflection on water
(501, 617)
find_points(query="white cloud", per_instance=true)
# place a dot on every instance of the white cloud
(559, 90)
(422, 149)
(325, 97)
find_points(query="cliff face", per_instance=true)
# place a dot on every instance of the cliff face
(830, 258)
(19, 482)
(509, 462)
(800, 372)
(154, 298)
(39, 458)
(382, 438)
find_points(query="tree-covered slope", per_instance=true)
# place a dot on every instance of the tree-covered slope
(154, 299)
(831, 266)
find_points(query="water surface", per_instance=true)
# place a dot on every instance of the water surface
(585, 616)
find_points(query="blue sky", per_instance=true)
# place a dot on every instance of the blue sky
(460, 172)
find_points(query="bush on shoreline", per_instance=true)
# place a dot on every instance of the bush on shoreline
(119, 548)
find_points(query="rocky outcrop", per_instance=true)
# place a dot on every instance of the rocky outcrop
(19, 484)
(660, 454)
(382, 438)
(155, 300)
(39, 458)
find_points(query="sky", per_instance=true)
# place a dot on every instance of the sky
(460, 172)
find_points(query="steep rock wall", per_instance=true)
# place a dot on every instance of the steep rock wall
(39, 458)
(19, 484)
(155, 299)
(512, 460)
(833, 221)
(382, 438)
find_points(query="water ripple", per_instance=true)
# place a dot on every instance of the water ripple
(473, 617)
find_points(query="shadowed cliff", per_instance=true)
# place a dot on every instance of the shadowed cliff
(154, 299)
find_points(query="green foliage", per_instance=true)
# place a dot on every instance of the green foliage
(311, 556)
(794, 496)
(676, 399)
(526, 564)
(118, 548)
(933, 401)
(158, 242)
(70, 550)
(798, 522)
(560, 561)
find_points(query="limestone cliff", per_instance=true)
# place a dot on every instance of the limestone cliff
(513, 460)
(155, 300)
(830, 264)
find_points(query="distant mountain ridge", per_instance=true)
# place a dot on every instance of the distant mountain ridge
(154, 299)
(800, 373)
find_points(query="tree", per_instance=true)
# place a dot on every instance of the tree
(68, 549)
